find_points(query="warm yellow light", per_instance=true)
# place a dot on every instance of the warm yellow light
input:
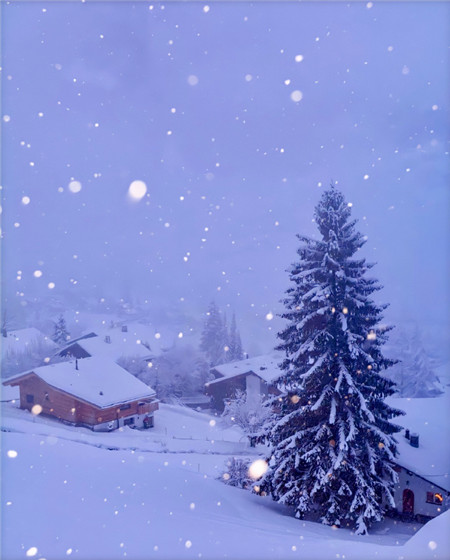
(295, 399)
(438, 499)
(345, 310)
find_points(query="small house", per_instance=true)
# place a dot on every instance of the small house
(423, 462)
(255, 376)
(94, 393)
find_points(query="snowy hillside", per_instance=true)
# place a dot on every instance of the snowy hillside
(155, 494)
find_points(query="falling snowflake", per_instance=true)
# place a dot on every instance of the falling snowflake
(137, 190)
(36, 409)
(74, 186)
(257, 469)
(296, 95)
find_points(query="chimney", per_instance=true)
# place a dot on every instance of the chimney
(108, 339)
(76, 364)
(414, 440)
(124, 328)
(407, 433)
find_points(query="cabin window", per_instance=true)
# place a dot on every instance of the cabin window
(434, 498)
(128, 421)
(125, 407)
(30, 399)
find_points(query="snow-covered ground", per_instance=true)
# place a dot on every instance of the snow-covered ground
(145, 494)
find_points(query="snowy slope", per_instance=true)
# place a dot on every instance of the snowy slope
(155, 494)
(67, 498)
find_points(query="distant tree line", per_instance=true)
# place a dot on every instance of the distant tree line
(219, 343)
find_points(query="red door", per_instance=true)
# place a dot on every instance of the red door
(408, 501)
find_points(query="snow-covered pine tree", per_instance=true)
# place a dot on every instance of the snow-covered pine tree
(332, 442)
(60, 333)
(214, 337)
(234, 342)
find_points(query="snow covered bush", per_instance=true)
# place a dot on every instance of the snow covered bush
(250, 414)
(332, 440)
(134, 365)
(236, 473)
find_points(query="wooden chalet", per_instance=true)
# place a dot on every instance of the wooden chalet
(90, 392)
(255, 376)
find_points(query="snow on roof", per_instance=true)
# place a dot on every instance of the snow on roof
(265, 367)
(119, 344)
(19, 340)
(102, 383)
(430, 419)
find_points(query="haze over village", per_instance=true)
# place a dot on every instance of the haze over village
(225, 305)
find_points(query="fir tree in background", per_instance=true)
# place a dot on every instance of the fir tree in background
(413, 375)
(332, 441)
(60, 333)
(234, 343)
(214, 336)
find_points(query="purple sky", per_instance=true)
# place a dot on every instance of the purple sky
(88, 92)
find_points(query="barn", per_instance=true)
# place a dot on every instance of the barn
(94, 393)
(253, 375)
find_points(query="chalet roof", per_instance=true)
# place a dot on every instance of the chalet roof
(19, 340)
(429, 418)
(120, 344)
(265, 367)
(97, 381)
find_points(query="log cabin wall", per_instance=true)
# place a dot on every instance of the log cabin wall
(54, 403)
